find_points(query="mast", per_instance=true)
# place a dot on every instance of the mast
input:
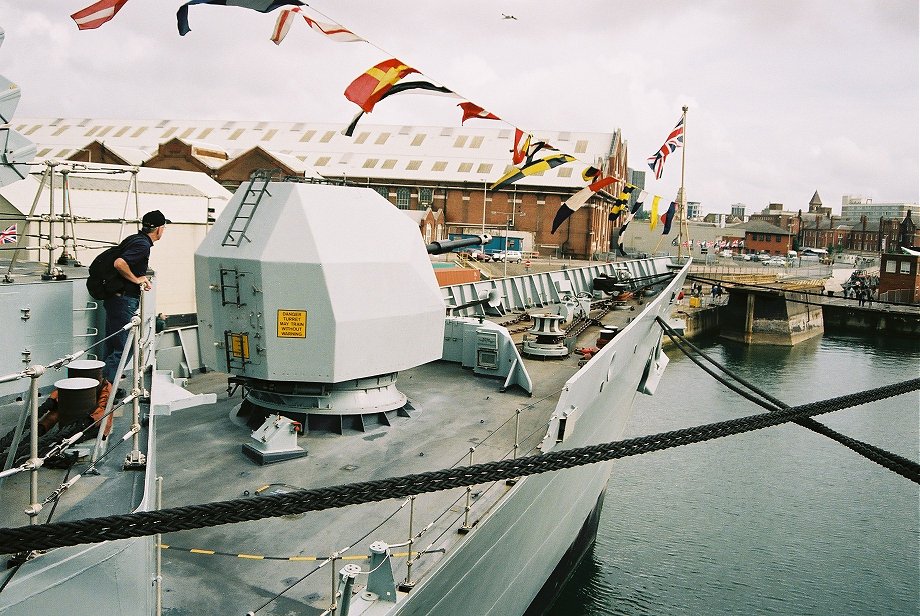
(682, 227)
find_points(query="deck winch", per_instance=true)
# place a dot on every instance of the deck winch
(545, 339)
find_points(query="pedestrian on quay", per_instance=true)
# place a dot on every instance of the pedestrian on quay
(132, 267)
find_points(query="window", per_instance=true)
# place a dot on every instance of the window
(63, 128)
(465, 167)
(91, 131)
(383, 191)
(327, 137)
(236, 134)
(476, 142)
(440, 165)
(460, 141)
(307, 136)
(565, 136)
(565, 172)
(269, 134)
(413, 165)
(139, 132)
(402, 198)
(101, 133)
(370, 163)
(322, 161)
(405, 130)
(362, 137)
(186, 133)
(418, 139)
(204, 133)
(581, 146)
(425, 196)
(389, 163)
(484, 168)
(382, 138)
(891, 266)
(905, 266)
(169, 133)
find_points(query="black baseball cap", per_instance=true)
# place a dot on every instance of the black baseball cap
(154, 219)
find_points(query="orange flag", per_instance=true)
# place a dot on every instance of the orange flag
(368, 88)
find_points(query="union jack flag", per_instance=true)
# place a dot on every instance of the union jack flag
(8, 236)
(674, 141)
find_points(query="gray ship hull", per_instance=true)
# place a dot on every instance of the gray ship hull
(517, 540)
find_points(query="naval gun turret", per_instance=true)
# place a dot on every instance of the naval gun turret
(315, 297)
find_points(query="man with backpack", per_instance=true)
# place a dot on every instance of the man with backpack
(132, 268)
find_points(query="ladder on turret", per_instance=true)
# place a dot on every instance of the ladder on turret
(258, 188)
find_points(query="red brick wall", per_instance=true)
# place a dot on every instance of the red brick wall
(896, 281)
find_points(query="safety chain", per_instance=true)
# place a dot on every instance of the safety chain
(91, 530)
(523, 318)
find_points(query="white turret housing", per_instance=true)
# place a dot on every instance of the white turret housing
(314, 283)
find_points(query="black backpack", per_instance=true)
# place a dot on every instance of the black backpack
(104, 280)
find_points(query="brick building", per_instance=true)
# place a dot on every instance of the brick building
(761, 236)
(900, 272)
(447, 169)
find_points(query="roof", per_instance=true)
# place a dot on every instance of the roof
(761, 226)
(449, 154)
(815, 200)
(99, 191)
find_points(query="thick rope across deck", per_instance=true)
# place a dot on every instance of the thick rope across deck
(94, 530)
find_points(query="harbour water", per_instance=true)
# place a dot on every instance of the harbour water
(778, 521)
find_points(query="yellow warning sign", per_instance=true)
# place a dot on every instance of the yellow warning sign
(292, 323)
(239, 345)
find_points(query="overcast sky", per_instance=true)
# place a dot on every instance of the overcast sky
(786, 97)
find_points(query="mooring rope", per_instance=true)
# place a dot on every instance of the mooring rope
(896, 463)
(92, 530)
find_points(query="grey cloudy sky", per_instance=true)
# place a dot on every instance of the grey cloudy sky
(786, 97)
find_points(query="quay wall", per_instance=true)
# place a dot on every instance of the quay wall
(711, 320)
(849, 319)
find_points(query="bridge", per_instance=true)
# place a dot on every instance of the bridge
(783, 309)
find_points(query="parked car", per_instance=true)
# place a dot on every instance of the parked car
(776, 262)
(478, 255)
(511, 256)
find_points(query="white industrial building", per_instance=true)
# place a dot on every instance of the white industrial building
(853, 208)
(104, 203)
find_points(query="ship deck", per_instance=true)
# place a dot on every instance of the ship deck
(458, 417)
(455, 410)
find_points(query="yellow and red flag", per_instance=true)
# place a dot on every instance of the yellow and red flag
(370, 87)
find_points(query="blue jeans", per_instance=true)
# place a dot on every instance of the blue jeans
(118, 311)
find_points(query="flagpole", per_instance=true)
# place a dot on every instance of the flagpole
(682, 200)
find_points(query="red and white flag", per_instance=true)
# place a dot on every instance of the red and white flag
(97, 14)
(472, 110)
(333, 31)
(521, 146)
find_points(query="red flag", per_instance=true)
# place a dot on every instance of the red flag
(369, 87)
(97, 14)
(521, 145)
(472, 110)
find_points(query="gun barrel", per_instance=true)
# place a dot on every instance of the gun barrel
(442, 246)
